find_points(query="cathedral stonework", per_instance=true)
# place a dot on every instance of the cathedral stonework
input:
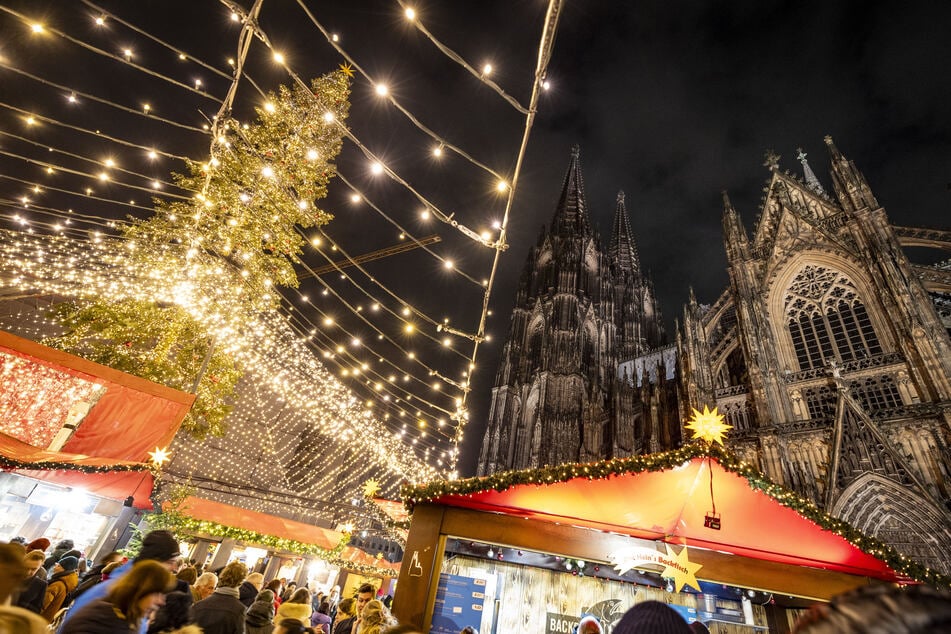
(829, 353)
(580, 309)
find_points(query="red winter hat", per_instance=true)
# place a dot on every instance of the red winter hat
(38, 544)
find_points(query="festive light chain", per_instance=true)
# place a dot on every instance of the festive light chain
(55, 465)
(663, 461)
(68, 281)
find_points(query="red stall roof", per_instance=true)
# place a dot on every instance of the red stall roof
(129, 417)
(670, 505)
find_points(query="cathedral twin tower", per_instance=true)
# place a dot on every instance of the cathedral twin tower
(579, 311)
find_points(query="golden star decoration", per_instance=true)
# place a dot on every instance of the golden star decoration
(159, 456)
(370, 488)
(346, 69)
(707, 425)
(682, 571)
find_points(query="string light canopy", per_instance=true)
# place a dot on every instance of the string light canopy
(355, 363)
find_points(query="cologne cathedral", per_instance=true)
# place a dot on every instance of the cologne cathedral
(829, 353)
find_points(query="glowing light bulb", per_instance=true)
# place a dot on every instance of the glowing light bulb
(182, 56)
(146, 107)
(235, 17)
(110, 163)
(496, 224)
(448, 264)
(303, 205)
(72, 98)
(334, 37)
(328, 321)
(406, 311)
(382, 90)
(546, 85)
(487, 69)
(447, 342)
(312, 155)
(316, 242)
(127, 52)
(279, 58)
(30, 121)
(328, 117)
(197, 83)
(269, 106)
(501, 186)
(267, 172)
(103, 176)
(424, 214)
(437, 151)
(409, 328)
(156, 185)
(100, 21)
(376, 168)
(410, 13)
(36, 28)
(355, 198)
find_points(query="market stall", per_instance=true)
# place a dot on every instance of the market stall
(696, 528)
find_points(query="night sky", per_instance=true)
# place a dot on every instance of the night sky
(671, 102)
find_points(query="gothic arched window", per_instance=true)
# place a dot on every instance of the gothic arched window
(827, 320)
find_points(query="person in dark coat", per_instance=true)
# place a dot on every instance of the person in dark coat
(174, 614)
(33, 588)
(222, 612)
(250, 588)
(94, 574)
(258, 619)
(128, 603)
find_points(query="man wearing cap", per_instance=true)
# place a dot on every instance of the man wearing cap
(64, 580)
(160, 546)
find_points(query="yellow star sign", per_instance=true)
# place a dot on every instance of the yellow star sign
(159, 456)
(346, 69)
(707, 425)
(682, 571)
(370, 488)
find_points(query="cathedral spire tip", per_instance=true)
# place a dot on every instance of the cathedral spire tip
(575, 151)
(620, 197)
(811, 181)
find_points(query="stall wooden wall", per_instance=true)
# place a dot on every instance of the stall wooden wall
(524, 596)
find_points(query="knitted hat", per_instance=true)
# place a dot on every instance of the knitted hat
(654, 617)
(66, 544)
(160, 546)
(19, 540)
(38, 544)
(69, 563)
(73, 553)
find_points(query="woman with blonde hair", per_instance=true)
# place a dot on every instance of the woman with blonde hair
(131, 599)
(374, 618)
(296, 607)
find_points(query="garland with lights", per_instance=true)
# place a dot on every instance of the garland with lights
(7, 463)
(662, 461)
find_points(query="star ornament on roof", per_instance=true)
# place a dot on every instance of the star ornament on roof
(346, 69)
(371, 488)
(682, 571)
(708, 425)
(159, 457)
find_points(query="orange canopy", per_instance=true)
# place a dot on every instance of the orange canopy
(128, 418)
(670, 506)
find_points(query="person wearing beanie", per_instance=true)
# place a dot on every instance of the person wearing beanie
(58, 553)
(40, 543)
(64, 580)
(160, 546)
(33, 588)
(258, 619)
(651, 617)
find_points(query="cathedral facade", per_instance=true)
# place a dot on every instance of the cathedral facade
(579, 310)
(829, 353)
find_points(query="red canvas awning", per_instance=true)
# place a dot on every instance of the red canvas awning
(670, 506)
(128, 418)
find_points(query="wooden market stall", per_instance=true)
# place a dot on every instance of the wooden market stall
(697, 513)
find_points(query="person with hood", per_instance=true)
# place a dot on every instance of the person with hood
(296, 607)
(250, 588)
(320, 618)
(160, 546)
(127, 605)
(260, 616)
(58, 553)
(64, 580)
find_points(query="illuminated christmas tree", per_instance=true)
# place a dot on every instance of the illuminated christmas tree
(224, 249)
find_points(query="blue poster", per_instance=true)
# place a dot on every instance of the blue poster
(459, 602)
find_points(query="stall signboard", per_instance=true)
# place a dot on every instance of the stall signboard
(459, 603)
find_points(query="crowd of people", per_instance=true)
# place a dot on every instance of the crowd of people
(154, 594)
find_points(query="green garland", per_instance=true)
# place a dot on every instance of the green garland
(504, 480)
(52, 465)
(331, 556)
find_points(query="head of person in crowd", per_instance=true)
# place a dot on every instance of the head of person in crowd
(34, 561)
(109, 568)
(346, 608)
(206, 584)
(324, 607)
(40, 543)
(365, 594)
(19, 540)
(301, 595)
(12, 570)
(274, 585)
(173, 614)
(651, 616)
(469, 630)
(880, 608)
(65, 565)
(292, 626)
(374, 617)
(188, 574)
(589, 624)
(232, 575)
(261, 612)
(161, 546)
(699, 627)
(141, 590)
(256, 579)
